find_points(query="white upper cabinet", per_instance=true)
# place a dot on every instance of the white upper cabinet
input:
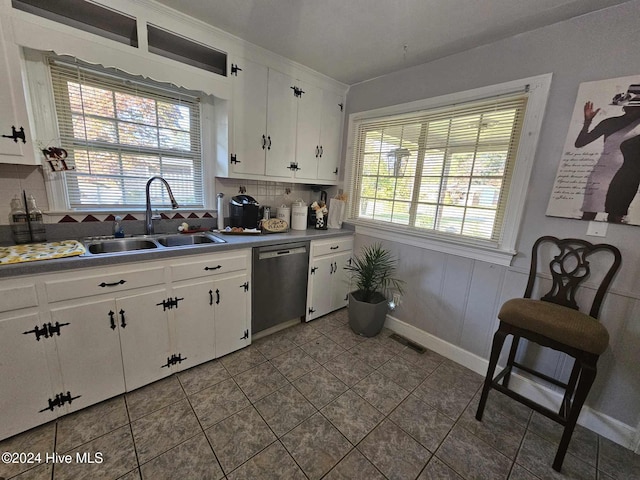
(330, 136)
(281, 127)
(16, 143)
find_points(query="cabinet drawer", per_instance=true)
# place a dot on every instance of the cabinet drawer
(14, 298)
(210, 265)
(109, 281)
(338, 245)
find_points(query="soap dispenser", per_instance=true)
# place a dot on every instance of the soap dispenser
(19, 222)
(118, 229)
(38, 231)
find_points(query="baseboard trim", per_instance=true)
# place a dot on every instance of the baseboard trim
(602, 424)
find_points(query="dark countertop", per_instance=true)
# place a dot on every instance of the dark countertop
(234, 242)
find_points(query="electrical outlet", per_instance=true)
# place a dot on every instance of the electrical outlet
(396, 299)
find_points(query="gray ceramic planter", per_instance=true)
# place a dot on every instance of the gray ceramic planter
(367, 319)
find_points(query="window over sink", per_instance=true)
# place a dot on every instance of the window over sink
(118, 133)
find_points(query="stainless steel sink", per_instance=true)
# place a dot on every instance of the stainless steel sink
(179, 240)
(99, 246)
(116, 245)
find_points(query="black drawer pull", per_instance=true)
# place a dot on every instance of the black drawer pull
(334, 248)
(218, 267)
(114, 284)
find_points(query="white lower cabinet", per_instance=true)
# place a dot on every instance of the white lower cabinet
(144, 337)
(328, 286)
(25, 381)
(88, 336)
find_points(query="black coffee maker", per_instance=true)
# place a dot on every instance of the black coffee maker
(244, 211)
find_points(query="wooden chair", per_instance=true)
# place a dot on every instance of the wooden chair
(554, 321)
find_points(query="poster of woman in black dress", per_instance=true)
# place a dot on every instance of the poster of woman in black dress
(599, 175)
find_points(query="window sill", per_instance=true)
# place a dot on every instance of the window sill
(451, 246)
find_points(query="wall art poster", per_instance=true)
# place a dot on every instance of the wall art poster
(599, 172)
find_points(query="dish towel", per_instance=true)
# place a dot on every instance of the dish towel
(40, 251)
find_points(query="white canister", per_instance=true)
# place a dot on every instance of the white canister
(299, 215)
(284, 213)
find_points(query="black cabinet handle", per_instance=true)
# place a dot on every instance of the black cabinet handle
(269, 146)
(217, 267)
(217, 297)
(123, 324)
(336, 171)
(334, 248)
(114, 284)
(210, 297)
(112, 320)
(321, 150)
(317, 151)
(331, 272)
(264, 141)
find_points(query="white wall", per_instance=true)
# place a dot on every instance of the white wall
(457, 299)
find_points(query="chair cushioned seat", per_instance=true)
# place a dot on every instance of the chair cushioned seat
(562, 324)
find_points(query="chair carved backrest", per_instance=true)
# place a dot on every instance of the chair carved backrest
(569, 268)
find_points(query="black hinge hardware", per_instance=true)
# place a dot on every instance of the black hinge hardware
(297, 92)
(245, 285)
(313, 270)
(47, 330)
(55, 328)
(123, 324)
(173, 359)
(341, 105)
(217, 267)
(293, 166)
(234, 159)
(169, 303)
(311, 310)
(114, 284)
(112, 319)
(245, 336)
(16, 134)
(59, 400)
(235, 69)
(40, 332)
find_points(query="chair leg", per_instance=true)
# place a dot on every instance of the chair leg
(587, 376)
(511, 359)
(565, 407)
(496, 348)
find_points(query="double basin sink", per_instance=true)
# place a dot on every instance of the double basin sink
(146, 242)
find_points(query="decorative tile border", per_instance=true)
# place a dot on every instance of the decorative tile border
(84, 218)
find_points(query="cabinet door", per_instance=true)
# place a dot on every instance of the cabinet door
(25, 382)
(232, 318)
(144, 337)
(281, 125)
(319, 289)
(192, 326)
(13, 110)
(249, 118)
(89, 355)
(330, 136)
(340, 281)
(308, 133)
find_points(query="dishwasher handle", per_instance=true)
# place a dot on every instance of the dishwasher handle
(280, 253)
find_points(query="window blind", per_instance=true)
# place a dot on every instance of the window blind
(119, 133)
(445, 170)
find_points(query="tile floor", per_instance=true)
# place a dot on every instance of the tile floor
(317, 401)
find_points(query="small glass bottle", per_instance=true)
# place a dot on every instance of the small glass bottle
(38, 232)
(19, 222)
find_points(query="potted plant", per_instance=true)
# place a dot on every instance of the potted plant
(372, 272)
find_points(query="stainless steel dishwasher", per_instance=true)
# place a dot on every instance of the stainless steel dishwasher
(279, 291)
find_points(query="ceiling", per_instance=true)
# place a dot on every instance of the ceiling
(356, 40)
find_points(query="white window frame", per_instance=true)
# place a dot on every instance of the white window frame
(45, 124)
(502, 253)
